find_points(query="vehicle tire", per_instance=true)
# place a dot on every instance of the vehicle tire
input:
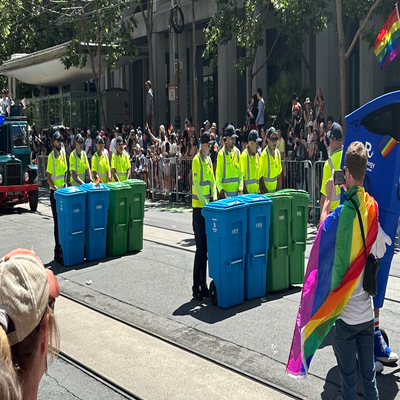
(213, 294)
(385, 336)
(33, 200)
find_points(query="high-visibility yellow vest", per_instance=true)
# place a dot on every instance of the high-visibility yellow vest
(57, 167)
(101, 165)
(228, 174)
(271, 168)
(332, 163)
(202, 172)
(121, 164)
(250, 166)
(79, 165)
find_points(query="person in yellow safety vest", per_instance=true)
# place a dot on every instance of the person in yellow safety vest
(79, 163)
(333, 163)
(229, 176)
(250, 164)
(270, 164)
(203, 191)
(56, 178)
(100, 163)
(120, 163)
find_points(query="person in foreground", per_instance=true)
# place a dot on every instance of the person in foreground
(333, 285)
(27, 325)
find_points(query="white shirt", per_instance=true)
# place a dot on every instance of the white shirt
(88, 146)
(4, 103)
(113, 146)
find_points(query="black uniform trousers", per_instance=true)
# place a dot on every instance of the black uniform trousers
(55, 219)
(200, 259)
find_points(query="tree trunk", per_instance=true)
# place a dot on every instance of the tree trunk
(249, 81)
(342, 64)
(195, 82)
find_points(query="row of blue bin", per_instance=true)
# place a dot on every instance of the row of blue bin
(237, 259)
(82, 222)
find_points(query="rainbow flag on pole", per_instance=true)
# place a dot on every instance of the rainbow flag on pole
(386, 145)
(387, 44)
(170, 129)
(336, 262)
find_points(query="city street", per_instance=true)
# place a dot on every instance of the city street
(132, 320)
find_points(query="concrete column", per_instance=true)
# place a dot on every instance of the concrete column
(260, 80)
(107, 78)
(227, 84)
(158, 42)
(9, 83)
(183, 98)
(122, 77)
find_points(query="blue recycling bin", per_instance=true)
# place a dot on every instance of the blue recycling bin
(258, 224)
(71, 210)
(376, 125)
(97, 198)
(226, 228)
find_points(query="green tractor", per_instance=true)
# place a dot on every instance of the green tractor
(17, 174)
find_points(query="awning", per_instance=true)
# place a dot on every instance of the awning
(44, 67)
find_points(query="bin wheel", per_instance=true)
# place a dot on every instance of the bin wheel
(385, 336)
(213, 294)
(60, 257)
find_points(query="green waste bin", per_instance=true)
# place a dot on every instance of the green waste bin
(118, 218)
(136, 214)
(299, 234)
(279, 242)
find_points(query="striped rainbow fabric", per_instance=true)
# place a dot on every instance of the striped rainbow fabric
(387, 44)
(386, 145)
(336, 262)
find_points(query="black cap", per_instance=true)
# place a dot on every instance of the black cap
(294, 96)
(205, 138)
(120, 139)
(99, 139)
(57, 136)
(270, 132)
(253, 136)
(336, 132)
(78, 137)
(230, 131)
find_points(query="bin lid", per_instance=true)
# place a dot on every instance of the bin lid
(117, 186)
(225, 204)
(279, 196)
(92, 187)
(135, 182)
(255, 199)
(294, 192)
(69, 191)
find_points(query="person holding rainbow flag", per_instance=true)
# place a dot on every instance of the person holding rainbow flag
(333, 291)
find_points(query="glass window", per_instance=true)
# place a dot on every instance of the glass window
(384, 121)
(19, 135)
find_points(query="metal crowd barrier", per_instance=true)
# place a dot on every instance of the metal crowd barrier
(42, 166)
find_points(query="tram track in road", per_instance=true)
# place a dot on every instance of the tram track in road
(128, 394)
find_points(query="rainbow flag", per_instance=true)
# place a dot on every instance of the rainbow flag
(387, 44)
(387, 145)
(170, 129)
(336, 262)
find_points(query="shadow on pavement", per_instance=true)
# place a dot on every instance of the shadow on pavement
(205, 312)
(187, 242)
(281, 294)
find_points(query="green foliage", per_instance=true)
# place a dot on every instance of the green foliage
(279, 103)
(101, 21)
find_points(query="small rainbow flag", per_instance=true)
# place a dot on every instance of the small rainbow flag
(387, 145)
(97, 181)
(387, 44)
(334, 268)
(170, 129)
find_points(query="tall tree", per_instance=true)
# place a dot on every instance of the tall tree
(100, 30)
(245, 21)
(146, 8)
(352, 11)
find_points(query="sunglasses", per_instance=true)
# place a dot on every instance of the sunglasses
(80, 141)
(100, 143)
(273, 139)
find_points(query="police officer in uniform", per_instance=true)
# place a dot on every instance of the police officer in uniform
(120, 163)
(250, 164)
(204, 191)
(79, 163)
(270, 164)
(56, 178)
(228, 174)
(333, 163)
(100, 163)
